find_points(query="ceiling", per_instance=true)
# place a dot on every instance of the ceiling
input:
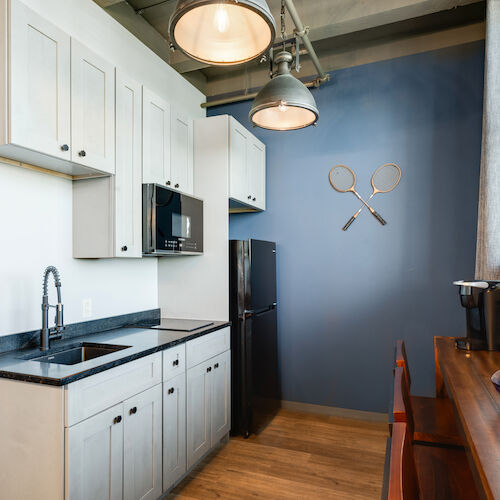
(343, 32)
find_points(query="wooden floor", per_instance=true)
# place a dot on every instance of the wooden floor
(298, 456)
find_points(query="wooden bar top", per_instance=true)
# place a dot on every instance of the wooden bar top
(464, 377)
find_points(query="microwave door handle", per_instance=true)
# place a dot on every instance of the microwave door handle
(153, 219)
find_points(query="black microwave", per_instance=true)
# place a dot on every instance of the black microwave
(172, 222)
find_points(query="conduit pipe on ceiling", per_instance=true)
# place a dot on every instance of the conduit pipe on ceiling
(302, 32)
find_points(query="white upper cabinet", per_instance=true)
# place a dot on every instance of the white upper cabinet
(155, 139)
(238, 172)
(128, 178)
(182, 152)
(247, 167)
(39, 84)
(92, 109)
(256, 172)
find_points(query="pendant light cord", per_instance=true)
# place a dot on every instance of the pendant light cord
(283, 30)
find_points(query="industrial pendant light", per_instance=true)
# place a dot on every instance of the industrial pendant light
(222, 32)
(285, 103)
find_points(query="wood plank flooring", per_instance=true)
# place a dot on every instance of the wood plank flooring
(298, 456)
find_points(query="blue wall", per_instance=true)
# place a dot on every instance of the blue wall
(344, 298)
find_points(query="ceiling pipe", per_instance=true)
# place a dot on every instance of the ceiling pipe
(303, 32)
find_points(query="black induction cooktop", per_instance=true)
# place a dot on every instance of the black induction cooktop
(181, 325)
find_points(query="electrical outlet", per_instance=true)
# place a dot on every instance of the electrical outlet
(86, 308)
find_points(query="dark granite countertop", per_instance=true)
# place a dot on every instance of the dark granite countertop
(142, 341)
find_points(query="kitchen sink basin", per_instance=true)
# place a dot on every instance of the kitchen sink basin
(79, 353)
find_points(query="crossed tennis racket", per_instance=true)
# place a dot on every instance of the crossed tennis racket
(384, 180)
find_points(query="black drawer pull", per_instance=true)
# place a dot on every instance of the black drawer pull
(176, 362)
(171, 390)
(216, 365)
(117, 419)
(64, 147)
(82, 153)
(133, 410)
(209, 369)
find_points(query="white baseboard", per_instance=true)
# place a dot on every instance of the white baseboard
(369, 416)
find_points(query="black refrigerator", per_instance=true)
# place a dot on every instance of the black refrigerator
(255, 382)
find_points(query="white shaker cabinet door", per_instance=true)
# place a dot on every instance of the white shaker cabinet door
(94, 457)
(198, 412)
(174, 430)
(40, 71)
(128, 177)
(182, 152)
(142, 456)
(238, 157)
(257, 172)
(92, 109)
(220, 406)
(155, 139)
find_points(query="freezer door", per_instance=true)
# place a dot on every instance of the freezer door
(262, 274)
(266, 389)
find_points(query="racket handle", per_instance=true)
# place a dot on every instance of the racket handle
(378, 217)
(349, 222)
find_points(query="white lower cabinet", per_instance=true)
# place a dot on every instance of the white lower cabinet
(174, 430)
(198, 412)
(208, 405)
(220, 422)
(94, 457)
(117, 454)
(142, 443)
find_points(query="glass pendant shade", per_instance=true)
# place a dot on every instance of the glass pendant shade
(284, 103)
(223, 32)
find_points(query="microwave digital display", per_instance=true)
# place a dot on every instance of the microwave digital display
(172, 222)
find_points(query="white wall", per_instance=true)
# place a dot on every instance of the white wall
(198, 286)
(35, 209)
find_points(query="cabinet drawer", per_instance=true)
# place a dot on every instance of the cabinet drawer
(90, 395)
(207, 346)
(174, 361)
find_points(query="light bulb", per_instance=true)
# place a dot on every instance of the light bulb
(221, 18)
(282, 106)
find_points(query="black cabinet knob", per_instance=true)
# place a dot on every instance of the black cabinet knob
(171, 390)
(82, 153)
(216, 365)
(168, 183)
(254, 199)
(117, 419)
(64, 147)
(176, 362)
(249, 196)
(176, 186)
(209, 369)
(133, 410)
(124, 248)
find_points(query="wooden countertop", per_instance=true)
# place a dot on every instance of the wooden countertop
(464, 377)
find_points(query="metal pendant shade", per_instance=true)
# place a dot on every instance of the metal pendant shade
(285, 103)
(223, 32)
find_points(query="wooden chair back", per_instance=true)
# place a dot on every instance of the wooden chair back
(402, 409)
(403, 479)
(402, 360)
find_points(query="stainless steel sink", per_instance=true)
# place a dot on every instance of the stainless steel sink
(79, 353)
